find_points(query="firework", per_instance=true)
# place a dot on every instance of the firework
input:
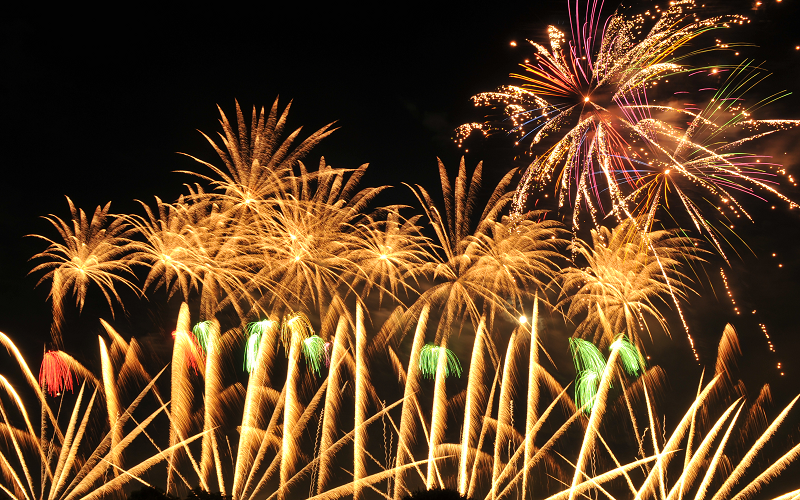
(627, 273)
(589, 366)
(475, 398)
(508, 462)
(93, 251)
(621, 147)
(629, 356)
(254, 332)
(496, 263)
(333, 402)
(256, 161)
(695, 170)
(295, 325)
(307, 248)
(54, 374)
(430, 364)
(186, 360)
(408, 419)
(201, 332)
(166, 251)
(314, 352)
(361, 383)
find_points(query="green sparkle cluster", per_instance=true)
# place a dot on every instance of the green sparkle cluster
(429, 360)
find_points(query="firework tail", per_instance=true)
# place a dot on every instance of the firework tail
(598, 409)
(484, 430)
(747, 460)
(211, 421)
(338, 445)
(253, 404)
(533, 396)
(438, 415)
(690, 438)
(347, 489)
(310, 410)
(700, 459)
(540, 453)
(57, 298)
(671, 446)
(135, 471)
(45, 465)
(770, 473)
(292, 407)
(95, 469)
(559, 396)
(502, 433)
(12, 349)
(333, 401)
(654, 437)
(183, 352)
(118, 344)
(361, 395)
(71, 444)
(265, 443)
(475, 399)
(112, 399)
(15, 397)
(297, 432)
(406, 435)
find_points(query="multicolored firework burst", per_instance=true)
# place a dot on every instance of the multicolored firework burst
(621, 147)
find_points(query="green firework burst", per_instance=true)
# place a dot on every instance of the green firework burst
(589, 366)
(254, 332)
(630, 357)
(429, 359)
(314, 352)
(201, 331)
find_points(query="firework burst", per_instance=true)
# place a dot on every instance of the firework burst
(54, 375)
(429, 361)
(617, 149)
(93, 251)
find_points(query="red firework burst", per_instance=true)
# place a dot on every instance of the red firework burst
(54, 374)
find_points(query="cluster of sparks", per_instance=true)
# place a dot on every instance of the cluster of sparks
(285, 248)
(492, 456)
(590, 364)
(54, 374)
(621, 147)
(761, 326)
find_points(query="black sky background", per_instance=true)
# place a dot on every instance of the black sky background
(96, 104)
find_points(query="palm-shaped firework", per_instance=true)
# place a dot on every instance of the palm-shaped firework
(485, 268)
(90, 251)
(258, 160)
(627, 273)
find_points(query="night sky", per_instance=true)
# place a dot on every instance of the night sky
(97, 104)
